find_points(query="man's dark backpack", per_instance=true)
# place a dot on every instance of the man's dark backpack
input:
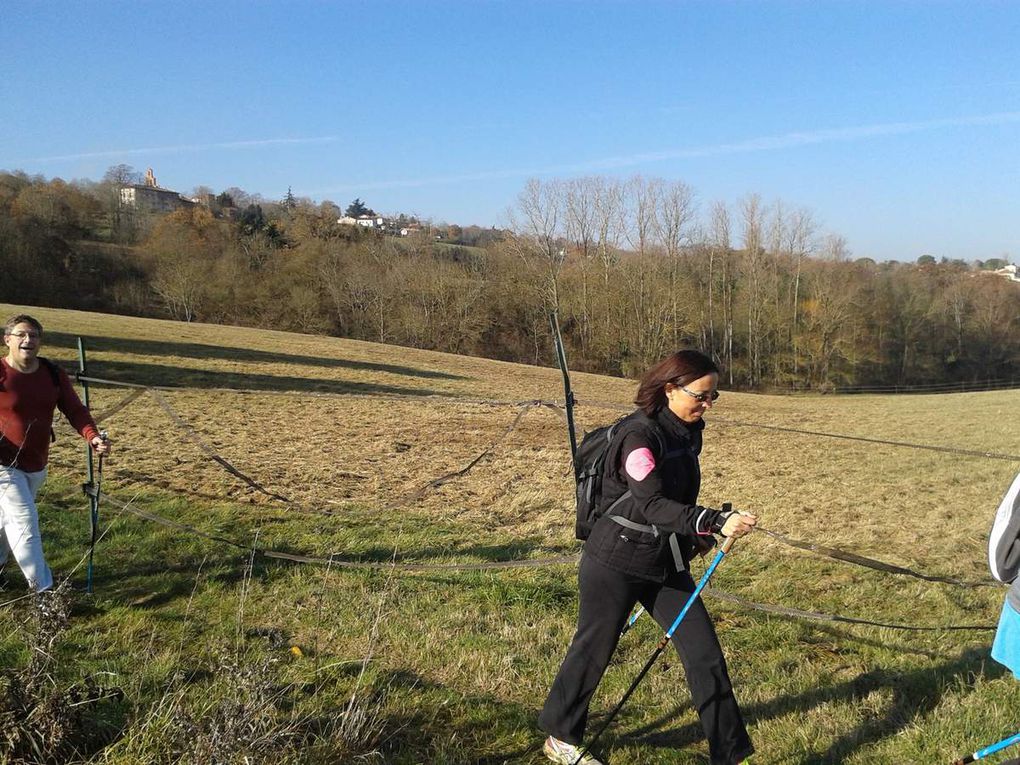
(589, 466)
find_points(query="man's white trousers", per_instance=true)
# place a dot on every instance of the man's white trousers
(19, 525)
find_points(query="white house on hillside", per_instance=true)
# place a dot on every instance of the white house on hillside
(371, 221)
(1010, 272)
(150, 197)
(366, 221)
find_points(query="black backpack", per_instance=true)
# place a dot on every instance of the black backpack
(589, 467)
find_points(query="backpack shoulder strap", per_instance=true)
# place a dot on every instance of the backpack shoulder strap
(53, 369)
(647, 424)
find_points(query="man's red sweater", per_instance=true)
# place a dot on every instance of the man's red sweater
(27, 403)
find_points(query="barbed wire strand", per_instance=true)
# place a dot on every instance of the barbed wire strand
(129, 399)
(817, 616)
(865, 439)
(211, 453)
(600, 404)
(527, 563)
(332, 560)
(435, 483)
(860, 560)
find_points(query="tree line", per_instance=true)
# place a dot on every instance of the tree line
(633, 268)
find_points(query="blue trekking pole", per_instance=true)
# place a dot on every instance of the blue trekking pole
(726, 507)
(726, 545)
(991, 749)
(632, 619)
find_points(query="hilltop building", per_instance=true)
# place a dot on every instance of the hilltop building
(150, 197)
(1010, 272)
(365, 221)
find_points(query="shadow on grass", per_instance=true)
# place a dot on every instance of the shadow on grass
(159, 583)
(229, 353)
(515, 550)
(915, 693)
(239, 494)
(148, 374)
(457, 728)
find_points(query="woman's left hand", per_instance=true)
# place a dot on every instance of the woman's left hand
(739, 524)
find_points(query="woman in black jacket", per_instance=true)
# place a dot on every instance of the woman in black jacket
(639, 553)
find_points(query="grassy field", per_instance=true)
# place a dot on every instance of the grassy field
(195, 650)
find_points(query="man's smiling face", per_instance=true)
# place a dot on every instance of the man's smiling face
(23, 343)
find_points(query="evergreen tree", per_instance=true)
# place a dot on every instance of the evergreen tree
(356, 208)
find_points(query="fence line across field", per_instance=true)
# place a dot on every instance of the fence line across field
(822, 550)
(980, 386)
(833, 553)
(600, 404)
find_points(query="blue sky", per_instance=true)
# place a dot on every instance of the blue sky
(896, 123)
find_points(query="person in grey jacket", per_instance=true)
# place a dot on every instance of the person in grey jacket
(1004, 561)
(639, 553)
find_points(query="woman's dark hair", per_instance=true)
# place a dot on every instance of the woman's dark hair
(678, 368)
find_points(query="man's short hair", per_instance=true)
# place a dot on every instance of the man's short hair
(21, 318)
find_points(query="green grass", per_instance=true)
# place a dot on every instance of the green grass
(460, 660)
(452, 667)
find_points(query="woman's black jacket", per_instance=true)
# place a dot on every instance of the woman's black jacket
(664, 501)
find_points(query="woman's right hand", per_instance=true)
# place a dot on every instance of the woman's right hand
(739, 524)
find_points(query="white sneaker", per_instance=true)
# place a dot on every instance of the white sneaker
(566, 754)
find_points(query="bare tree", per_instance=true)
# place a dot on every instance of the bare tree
(674, 218)
(536, 227)
(642, 197)
(800, 244)
(184, 245)
(720, 259)
(610, 219)
(752, 216)
(580, 218)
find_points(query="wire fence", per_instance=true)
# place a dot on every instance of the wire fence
(340, 561)
(960, 386)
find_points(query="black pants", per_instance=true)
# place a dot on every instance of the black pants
(607, 597)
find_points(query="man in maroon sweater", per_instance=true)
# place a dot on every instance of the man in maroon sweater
(31, 389)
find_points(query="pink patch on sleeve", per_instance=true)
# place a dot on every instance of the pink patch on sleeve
(640, 463)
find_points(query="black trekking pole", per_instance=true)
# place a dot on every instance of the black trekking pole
(568, 393)
(726, 545)
(89, 487)
(94, 490)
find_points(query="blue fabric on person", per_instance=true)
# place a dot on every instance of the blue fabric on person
(1006, 647)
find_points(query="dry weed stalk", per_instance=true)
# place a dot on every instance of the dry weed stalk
(41, 721)
(244, 716)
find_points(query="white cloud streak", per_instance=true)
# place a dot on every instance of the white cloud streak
(182, 149)
(765, 143)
